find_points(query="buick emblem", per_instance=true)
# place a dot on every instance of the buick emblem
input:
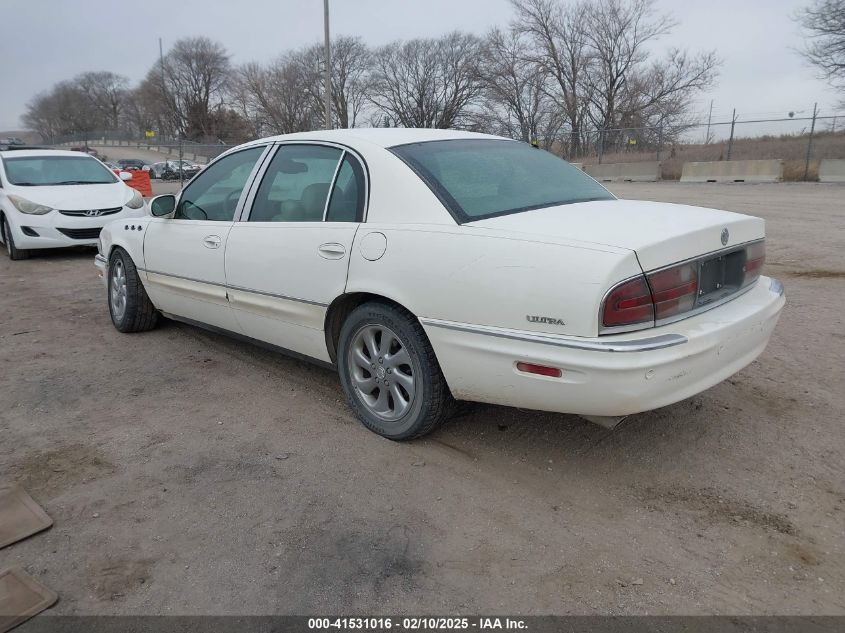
(93, 213)
(725, 236)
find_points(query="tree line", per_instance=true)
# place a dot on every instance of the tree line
(556, 73)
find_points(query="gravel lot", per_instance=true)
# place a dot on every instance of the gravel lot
(188, 473)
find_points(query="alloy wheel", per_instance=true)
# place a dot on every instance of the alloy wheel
(118, 289)
(382, 372)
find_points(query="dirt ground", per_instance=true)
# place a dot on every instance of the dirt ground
(191, 474)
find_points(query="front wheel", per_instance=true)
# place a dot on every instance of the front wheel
(130, 308)
(390, 374)
(14, 253)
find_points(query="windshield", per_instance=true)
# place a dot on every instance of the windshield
(32, 171)
(480, 178)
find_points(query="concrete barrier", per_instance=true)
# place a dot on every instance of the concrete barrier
(631, 172)
(733, 171)
(832, 170)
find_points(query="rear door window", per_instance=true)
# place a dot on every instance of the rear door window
(347, 201)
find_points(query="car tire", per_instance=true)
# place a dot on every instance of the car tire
(129, 306)
(379, 343)
(15, 253)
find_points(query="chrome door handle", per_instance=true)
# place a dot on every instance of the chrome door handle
(211, 241)
(332, 250)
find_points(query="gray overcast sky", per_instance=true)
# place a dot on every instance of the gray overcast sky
(44, 41)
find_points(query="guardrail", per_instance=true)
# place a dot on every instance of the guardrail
(832, 170)
(625, 172)
(196, 152)
(733, 171)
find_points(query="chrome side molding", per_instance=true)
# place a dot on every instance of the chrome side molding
(634, 345)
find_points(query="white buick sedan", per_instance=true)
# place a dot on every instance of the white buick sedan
(59, 198)
(430, 266)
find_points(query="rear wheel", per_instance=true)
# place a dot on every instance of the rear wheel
(14, 253)
(130, 308)
(390, 374)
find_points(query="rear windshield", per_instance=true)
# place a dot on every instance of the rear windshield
(33, 171)
(480, 178)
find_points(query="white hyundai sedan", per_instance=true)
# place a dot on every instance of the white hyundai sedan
(430, 266)
(56, 198)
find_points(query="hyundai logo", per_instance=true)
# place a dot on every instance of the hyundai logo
(94, 213)
(725, 237)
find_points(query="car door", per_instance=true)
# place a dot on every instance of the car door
(288, 257)
(184, 255)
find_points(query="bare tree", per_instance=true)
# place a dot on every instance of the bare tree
(628, 89)
(192, 82)
(561, 50)
(427, 82)
(146, 109)
(597, 54)
(63, 110)
(617, 32)
(106, 91)
(350, 77)
(824, 23)
(90, 101)
(276, 98)
(517, 102)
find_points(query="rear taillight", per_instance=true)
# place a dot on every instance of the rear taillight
(755, 257)
(628, 303)
(694, 285)
(674, 290)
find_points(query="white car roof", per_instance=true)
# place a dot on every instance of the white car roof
(12, 153)
(383, 137)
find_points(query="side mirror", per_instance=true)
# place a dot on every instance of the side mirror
(163, 206)
(125, 175)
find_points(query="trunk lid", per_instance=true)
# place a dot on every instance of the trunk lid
(659, 233)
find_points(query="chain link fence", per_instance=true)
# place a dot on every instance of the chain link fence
(801, 142)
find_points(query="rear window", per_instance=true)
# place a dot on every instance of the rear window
(480, 178)
(33, 171)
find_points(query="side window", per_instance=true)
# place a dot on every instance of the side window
(214, 193)
(347, 201)
(296, 185)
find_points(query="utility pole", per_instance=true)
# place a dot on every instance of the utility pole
(731, 140)
(163, 90)
(328, 87)
(810, 141)
(709, 119)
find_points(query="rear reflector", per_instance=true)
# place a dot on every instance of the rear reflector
(540, 370)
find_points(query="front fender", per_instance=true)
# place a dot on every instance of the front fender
(127, 234)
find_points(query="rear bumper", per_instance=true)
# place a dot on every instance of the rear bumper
(609, 375)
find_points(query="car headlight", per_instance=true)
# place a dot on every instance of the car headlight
(136, 201)
(28, 206)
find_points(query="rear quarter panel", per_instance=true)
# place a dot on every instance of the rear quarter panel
(483, 277)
